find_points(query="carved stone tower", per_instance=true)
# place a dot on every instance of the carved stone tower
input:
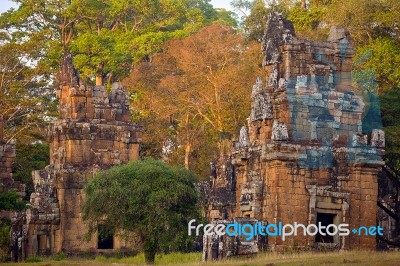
(93, 132)
(303, 157)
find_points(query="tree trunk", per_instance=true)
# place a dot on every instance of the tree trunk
(150, 248)
(99, 81)
(188, 146)
(188, 149)
(99, 75)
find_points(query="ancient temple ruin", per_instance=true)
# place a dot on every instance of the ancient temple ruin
(93, 132)
(7, 160)
(7, 183)
(303, 156)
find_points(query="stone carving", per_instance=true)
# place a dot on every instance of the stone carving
(279, 131)
(378, 138)
(279, 31)
(67, 74)
(243, 138)
(257, 88)
(282, 84)
(360, 139)
(261, 107)
(273, 79)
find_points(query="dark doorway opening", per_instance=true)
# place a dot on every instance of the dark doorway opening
(325, 219)
(105, 238)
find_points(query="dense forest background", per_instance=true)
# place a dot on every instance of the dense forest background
(188, 67)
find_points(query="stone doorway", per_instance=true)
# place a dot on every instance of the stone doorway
(104, 242)
(325, 219)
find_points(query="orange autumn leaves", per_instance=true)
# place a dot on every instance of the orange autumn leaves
(195, 94)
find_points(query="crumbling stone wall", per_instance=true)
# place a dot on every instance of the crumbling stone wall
(93, 132)
(303, 154)
(7, 158)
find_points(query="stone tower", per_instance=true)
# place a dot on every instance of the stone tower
(93, 132)
(303, 156)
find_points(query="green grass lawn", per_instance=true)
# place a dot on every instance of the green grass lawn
(265, 259)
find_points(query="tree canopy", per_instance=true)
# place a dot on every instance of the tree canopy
(105, 37)
(10, 201)
(146, 197)
(194, 94)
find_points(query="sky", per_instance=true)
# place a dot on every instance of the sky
(6, 4)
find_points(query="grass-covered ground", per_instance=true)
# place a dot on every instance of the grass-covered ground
(266, 259)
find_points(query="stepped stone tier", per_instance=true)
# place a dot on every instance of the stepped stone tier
(93, 132)
(303, 156)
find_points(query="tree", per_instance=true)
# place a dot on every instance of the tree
(381, 55)
(30, 157)
(105, 36)
(390, 104)
(226, 17)
(254, 24)
(25, 94)
(365, 19)
(196, 93)
(145, 197)
(10, 201)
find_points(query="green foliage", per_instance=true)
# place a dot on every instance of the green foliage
(106, 37)
(226, 17)
(161, 259)
(384, 60)
(390, 104)
(5, 239)
(365, 19)
(145, 197)
(59, 256)
(30, 157)
(25, 97)
(307, 22)
(33, 259)
(10, 200)
(254, 24)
